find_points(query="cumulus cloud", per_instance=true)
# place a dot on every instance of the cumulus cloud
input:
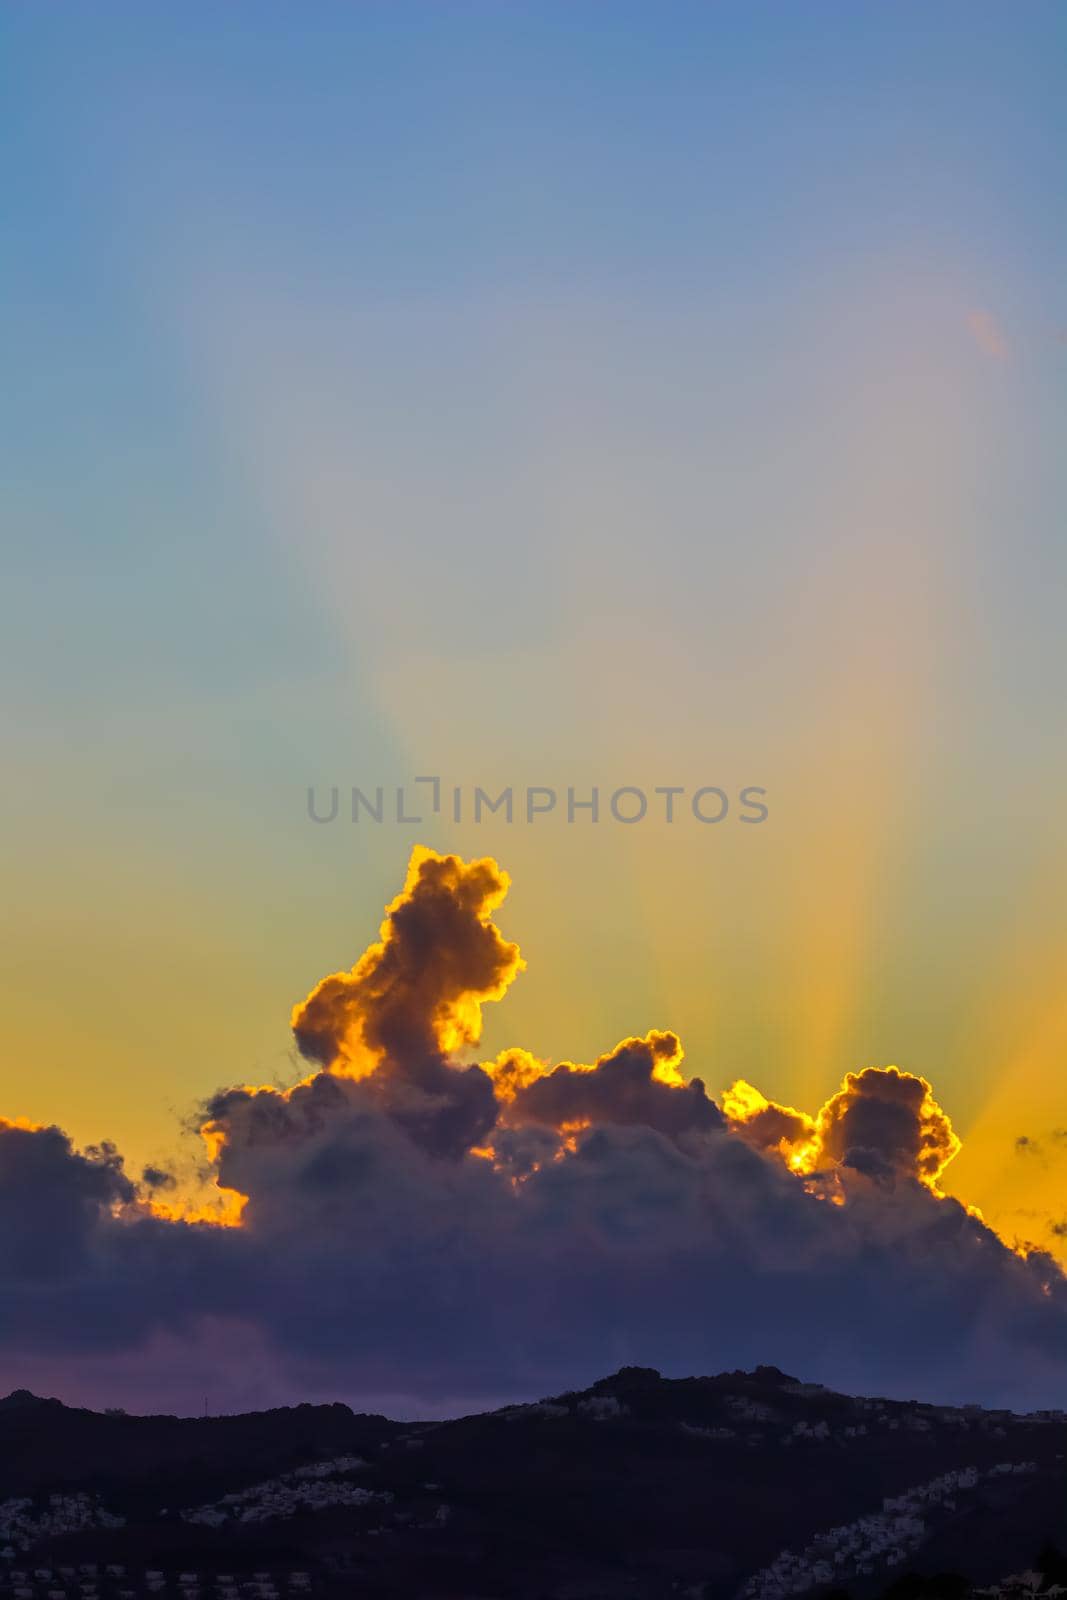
(768, 1126)
(881, 1121)
(638, 1084)
(886, 1122)
(404, 1222)
(417, 995)
(52, 1199)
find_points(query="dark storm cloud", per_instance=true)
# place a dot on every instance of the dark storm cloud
(408, 1225)
(83, 1263)
(53, 1200)
(379, 1267)
(367, 1266)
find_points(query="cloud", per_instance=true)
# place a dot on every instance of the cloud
(767, 1126)
(418, 994)
(405, 1223)
(157, 1178)
(636, 1084)
(988, 335)
(886, 1122)
(52, 1200)
(1049, 1145)
(882, 1121)
(416, 997)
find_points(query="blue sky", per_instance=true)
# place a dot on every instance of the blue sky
(549, 393)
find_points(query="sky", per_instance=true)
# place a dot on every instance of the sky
(543, 395)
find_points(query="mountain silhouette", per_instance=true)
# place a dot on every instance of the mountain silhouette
(639, 1486)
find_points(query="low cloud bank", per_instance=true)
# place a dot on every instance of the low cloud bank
(406, 1231)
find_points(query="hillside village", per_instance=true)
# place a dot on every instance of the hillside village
(884, 1539)
(455, 1497)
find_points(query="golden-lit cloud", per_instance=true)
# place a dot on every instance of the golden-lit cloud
(22, 1123)
(881, 1121)
(768, 1126)
(395, 1022)
(419, 992)
(223, 1210)
(638, 1083)
(889, 1119)
(512, 1071)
